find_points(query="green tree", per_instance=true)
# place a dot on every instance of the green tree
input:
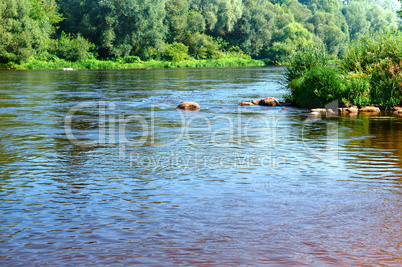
(118, 27)
(69, 48)
(255, 30)
(176, 52)
(364, 16)
(290, 39)
(45, 9)
(381, 19)
(356, 16)
(300, 12)
(176, 19)
(332, 29)
(21, 36)
(220, 15)
(202, 46)
(195, 22)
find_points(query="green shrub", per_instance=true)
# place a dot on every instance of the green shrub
(357, 89)
(380, 57)
(176, 52)
(369, 73)
(235, 49)
(71, 49)
(202, 46)
(386, 83)
(304, 60)
(318, 86)
(47, 57)
(131, 59)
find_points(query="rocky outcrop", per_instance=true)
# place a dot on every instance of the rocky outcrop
(256, 102)
(269, 101)
(189, 106)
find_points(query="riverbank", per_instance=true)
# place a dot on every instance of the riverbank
(95, 64)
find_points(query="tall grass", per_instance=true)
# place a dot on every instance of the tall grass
(304, 60)
(369, 73)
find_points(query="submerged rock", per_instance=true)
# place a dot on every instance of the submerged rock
(256, 102)
(319, 110)
(269, 101)
(246, 104)
(287, 104)
(189, 106)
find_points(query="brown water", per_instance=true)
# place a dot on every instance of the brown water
(223, 186)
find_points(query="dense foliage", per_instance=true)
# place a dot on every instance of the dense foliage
(369, 73)
(183, 29)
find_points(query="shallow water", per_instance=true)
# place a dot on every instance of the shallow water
(151, 185)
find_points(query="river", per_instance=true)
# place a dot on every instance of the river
(99, 168)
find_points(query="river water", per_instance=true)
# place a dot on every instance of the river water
(99, 168)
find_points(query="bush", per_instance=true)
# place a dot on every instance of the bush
(71, 49)
(357, 89)
(318, 86)
(176, 52)
(131, 59)
(304, 60)
(202, 46)
(386, 83)
(369, 73)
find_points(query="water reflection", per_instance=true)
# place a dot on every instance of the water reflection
(248, 186)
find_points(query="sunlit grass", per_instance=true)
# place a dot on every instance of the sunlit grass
(226, 60)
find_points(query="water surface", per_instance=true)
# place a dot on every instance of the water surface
(223, 186)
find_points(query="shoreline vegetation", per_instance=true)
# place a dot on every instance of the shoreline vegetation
(226, 60)
(369, 73)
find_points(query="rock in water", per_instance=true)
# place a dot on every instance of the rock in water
(370, 109)
(256, 102)
(270, 101)
(189, 106)
(246, 104)
(352, 110)
(397, 110)
(319, 110)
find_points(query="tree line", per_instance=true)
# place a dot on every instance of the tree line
(178, 29)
